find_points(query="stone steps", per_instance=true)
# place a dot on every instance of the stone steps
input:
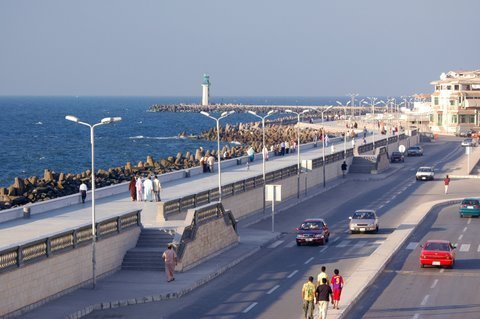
(147, 255)
(362, 165)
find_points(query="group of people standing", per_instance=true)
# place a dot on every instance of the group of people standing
(208, 163)
(147, 189)
(321, 293)
(283, 148)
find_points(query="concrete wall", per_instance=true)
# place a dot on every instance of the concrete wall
(210, 239)
(32, 285)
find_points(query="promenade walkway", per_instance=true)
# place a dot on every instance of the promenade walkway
(15, 232)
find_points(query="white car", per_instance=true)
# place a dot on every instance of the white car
(425, 173)
(469, 142)
(363, 220)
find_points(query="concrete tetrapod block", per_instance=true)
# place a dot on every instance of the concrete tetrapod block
(370, 269)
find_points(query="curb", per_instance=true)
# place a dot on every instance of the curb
(345, 310)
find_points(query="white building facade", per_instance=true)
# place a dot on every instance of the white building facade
(456, 102)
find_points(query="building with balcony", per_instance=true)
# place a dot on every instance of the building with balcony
(456, 102)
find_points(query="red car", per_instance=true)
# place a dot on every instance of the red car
(437, 253)
(312, 231)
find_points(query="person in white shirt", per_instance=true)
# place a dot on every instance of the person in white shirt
(157, 187)
(148, 189)
(83, 191)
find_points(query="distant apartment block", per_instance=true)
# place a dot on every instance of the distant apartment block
(456, 101)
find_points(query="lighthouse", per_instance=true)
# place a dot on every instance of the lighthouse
(205, 89)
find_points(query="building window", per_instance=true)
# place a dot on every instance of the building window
(437, 87)
(431, 117)
(454, 118)
(457, 87)
(435, 100)
(471, 118)
(439, 119)
(449, 87)
(452, 102)
(463, 119)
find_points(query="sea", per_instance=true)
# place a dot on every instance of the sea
(35, 135)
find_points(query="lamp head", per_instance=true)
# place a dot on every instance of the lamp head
(252, 112)
(109, 120)
(305, 111)
(72, 118)
(204, 113)
(288, 111)
(339, 103)
(328, 108)
(271, 112)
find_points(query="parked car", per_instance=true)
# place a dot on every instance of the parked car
(415, 151)
(469, 142)
(437, 253)
(470, 207)
(397, 157)
(313, 231)
(464, 132)
(425, 173)
(363, 220)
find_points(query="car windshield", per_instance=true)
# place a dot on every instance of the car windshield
(363, 215)
(424, 169)
(396, 154)
(470, 202)
(415, 148)
(311, 225)
(437, 246)
(467, 140)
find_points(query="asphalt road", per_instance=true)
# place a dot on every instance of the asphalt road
(404, 290)
(268, 284)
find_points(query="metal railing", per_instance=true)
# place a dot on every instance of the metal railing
(15, 257)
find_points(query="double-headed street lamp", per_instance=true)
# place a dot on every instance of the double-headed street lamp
(222, 116)
(264, 151)
(323, 146)
(298, 145)
(373, 103)
(107, 120)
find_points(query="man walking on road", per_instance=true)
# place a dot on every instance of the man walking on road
(322, 275)
(170, 258)
(83, 191)
(446, 181)
(157, 187)
(308, 297)
(344, 168)
(323, 293)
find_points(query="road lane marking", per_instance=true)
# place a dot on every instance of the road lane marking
(273, 289)
(380, 207)
(442, 270)
(465, 229)
(460, 237)
(412, 245)
(478, 249)
(425, 300)
(250, 307)
(309, 260)
(416, 316)
(344, 243)
(465, 247)
(335, 239)
(378, 242)
(323, 249)
(276, 244)
(360, 244)
(292, 274)
(469, 221)
(434, 284)
(290, 245)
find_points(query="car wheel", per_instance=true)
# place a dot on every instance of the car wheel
(298, 244)
(352, 232)
(327, 238)
(376, 230)
(422, 266)
(322, 242)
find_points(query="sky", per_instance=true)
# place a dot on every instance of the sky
(248, 47)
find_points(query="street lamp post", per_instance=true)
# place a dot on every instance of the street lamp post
(352, 99)
(298, 146)
(263, 147)
(345, 134)
(104, 121)
(373, 103)
(222, 116)
(323, 147)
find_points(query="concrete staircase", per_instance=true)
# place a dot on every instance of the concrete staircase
(147, 255)
(363, 165)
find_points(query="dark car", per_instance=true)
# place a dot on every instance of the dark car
(313, 231)
(415, 151)
(397, 157)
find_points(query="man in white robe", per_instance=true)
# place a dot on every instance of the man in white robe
(148, 189)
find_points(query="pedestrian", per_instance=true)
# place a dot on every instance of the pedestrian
(83, 191)
(148, 189)
(139, 187)
(321, 275)
(282, 148)
(287, 147)
(133, 189)
(353, 142)
(364, 132)
(337, 286)
(446, 181)
(211, 163)
(157, 187)
(344, 168)
(170, 258)
(265, 153)
(323, 293)
(308, 298)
